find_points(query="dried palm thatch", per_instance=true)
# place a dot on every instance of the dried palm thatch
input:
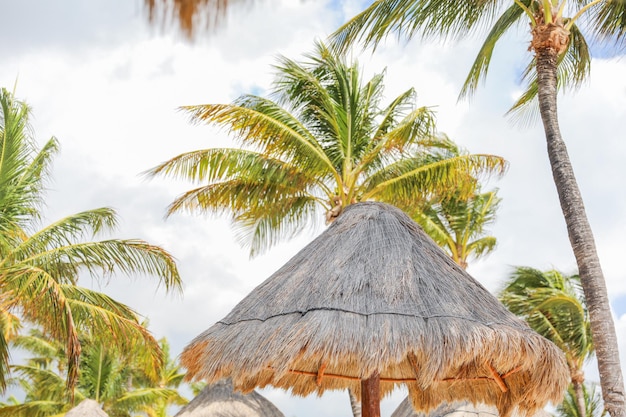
(373, 294)
(220, 400)
(87, 408)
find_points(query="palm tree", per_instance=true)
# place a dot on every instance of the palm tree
(121, 381)
(561, 57)
(458, 224)
(592, 401)
(170, 378)
(326, 142)
(553, 305)
(39, 268)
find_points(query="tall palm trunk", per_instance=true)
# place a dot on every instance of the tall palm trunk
(580, 234)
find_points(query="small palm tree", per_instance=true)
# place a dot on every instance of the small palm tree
(40, 267)
(170, 378)
(553, 305)
(121, 381)
(325, 142)
(592, 399)
(458, 225)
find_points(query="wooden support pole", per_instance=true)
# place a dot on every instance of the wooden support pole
(370, 396)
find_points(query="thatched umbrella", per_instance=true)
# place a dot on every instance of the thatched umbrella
(220, 400)
(87, 408)
(373, 303)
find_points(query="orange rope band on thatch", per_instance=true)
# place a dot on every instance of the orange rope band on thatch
(320, 373)
(512, 371)
(498, 378)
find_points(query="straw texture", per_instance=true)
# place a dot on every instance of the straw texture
(374, 293)
(87, 408)
(220, 400)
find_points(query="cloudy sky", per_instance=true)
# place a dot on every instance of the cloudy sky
(108, 86)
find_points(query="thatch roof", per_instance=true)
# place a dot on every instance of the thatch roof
(459, 409)
(220, 400)
(374, 293)
(87, 408)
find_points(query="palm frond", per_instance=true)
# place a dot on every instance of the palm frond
(608, 22)
(480, 66)
(593, 403)
(4, 353)
(22, 176)
(552, 305)
(261, 123)
(433, 226)
(428, 18)
(63, 232)
(263, 227)
(102, 259)
(144, 398)
(38, 408)
(482, 246)
(425, 175)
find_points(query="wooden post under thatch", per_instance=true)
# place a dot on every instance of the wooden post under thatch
(370, 396)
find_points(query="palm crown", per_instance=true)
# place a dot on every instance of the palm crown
(325, 141)
(598, 19)
(40, 267)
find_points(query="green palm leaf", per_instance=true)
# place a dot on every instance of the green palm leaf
(324, 143)
(480, 67)
(39, 268)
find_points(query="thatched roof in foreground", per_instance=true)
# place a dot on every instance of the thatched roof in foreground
(87, 408)
(459, 409)
(374, 293)
(220, 400)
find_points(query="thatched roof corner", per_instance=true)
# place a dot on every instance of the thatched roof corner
(374, 293)
(87, 408)
(220, 400)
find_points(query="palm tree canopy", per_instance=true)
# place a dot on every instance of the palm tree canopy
(40, 267)
(553, 305)
(120, 381)
(603, 20)
(325, 140)
(458, 224)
